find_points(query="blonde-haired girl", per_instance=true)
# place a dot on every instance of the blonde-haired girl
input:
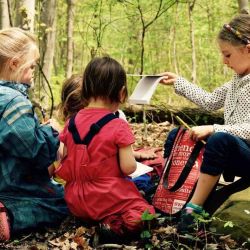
(28, 199)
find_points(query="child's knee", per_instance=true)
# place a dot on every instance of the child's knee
(220, 139)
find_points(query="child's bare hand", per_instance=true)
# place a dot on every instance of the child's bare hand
(54, 124)
(51, 169)
(201, 132)
(147, 155)
(169, 78)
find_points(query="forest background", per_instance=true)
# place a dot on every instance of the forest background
(145, 36)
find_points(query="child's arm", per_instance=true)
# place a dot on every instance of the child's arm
(127, 160)
(62, 151)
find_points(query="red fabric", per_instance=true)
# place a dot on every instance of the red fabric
(172, 201)
(130, 220)
(4, 224)
(157, 163)
(95, 186)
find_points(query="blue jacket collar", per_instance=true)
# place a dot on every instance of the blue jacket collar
(21, 87)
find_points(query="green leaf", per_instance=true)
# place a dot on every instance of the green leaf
(145, 234)
(146, 216)
(148, 246)
(229, 224)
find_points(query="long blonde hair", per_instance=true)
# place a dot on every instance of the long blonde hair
(16, 44)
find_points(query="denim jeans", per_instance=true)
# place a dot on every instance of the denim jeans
(226, 152)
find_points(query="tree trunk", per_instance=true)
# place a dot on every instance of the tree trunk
(47, 45)
(25, 14)
(191, 23)
(243, 6)
(175, 56)
(70, 31)
(4, 14)
(191, 115)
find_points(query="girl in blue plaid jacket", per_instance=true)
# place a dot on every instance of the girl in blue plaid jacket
(28, 199)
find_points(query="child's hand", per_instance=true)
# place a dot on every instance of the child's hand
(169, 78)
(54, 124)
(201, 132)
(51, 169)
(146, 155)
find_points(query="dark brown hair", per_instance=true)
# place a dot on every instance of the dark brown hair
(104, 78)
(71, 101)
(241, 23)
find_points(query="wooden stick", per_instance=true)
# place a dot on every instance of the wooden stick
(186, 125)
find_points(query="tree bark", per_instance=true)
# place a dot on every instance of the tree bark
(191, 115)
(47, 45)
(4, 14)
(244, 6)
(25, 14)
(70, 31)
(175, 56)
(192, 40)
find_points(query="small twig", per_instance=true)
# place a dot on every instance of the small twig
(25, 237)
(116, 246)
(186, 125)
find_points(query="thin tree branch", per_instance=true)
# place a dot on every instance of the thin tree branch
(9, 9)
(50, 90)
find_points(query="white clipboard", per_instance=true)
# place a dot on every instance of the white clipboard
(145, 89)
(140, 170)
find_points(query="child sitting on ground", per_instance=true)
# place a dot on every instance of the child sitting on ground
(228, 145)
(28, 198)
(96, 185)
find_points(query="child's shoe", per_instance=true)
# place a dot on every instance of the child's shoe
(192, 219)
(4, 224)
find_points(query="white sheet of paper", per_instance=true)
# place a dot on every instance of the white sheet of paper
(145, 89)
(140, 170)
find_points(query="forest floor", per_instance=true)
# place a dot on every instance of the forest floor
(74, 234)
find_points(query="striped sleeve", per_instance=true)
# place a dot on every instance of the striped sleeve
(21, 135)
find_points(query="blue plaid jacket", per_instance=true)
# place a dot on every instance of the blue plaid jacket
(26, 150)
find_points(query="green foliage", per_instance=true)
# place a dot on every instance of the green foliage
(114, 27)
(147, 218)
(229, 224)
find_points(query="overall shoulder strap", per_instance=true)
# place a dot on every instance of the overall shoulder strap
(73, 130)
(94, 129)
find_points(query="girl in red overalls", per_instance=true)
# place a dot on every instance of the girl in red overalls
(95, 173)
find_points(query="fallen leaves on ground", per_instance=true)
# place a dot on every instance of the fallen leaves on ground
(75, 235)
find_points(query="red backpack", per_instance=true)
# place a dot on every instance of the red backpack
(180, 174)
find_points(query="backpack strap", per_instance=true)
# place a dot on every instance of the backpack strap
(187, 168)
(94, 129)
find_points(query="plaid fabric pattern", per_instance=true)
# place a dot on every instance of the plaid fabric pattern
(26, 150)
